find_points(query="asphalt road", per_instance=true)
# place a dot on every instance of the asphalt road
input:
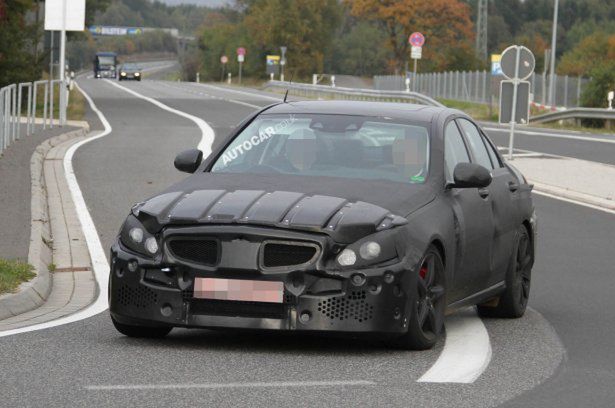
(68, 365)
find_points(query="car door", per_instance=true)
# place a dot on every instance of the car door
(502, 192)
(473, 221)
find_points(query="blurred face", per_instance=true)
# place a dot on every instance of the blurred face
(301, 153)
(406, 153)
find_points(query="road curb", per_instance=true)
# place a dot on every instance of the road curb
(573, 195)
(34, 293)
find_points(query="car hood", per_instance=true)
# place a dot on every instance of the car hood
(346, 210)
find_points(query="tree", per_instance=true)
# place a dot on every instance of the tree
(306, 27)
(593, 51)
(446, 25)
(18, 41)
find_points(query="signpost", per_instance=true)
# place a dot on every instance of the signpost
(63, 16)
(416, 40)
(517, 64)
(282, 62)
(273, 65)
(223, 61)
(241, 53)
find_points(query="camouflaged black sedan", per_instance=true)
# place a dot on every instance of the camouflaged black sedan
(353, 217)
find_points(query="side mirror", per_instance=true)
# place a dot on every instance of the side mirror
(470, 175)
(188, 161)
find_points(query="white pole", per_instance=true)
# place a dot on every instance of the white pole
(553, 45)
(513, 117)
(63, 65)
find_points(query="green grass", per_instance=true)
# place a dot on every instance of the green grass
(478, 111)
(76, 105)
(12, 273)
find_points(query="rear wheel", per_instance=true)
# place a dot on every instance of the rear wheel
(427, 314)
(513, 301)
(141, 331)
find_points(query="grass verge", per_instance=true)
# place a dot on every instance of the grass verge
(76, 105)
(13, 273)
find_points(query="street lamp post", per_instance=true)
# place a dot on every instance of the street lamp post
(553, 45)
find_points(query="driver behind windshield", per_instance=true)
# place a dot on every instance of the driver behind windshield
(407, 159)
(300, 151)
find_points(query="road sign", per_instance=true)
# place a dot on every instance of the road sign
(517, 64)
(240, 58)
(273, 64)
(75, 15)
(496, 66)
(241, 51)
(224, 59)
(416, 39)
(526, 62)
(416, 52)
(522, 110)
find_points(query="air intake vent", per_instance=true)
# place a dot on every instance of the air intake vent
(140, 297)
(234, 308)
(352, 306)
(200, 251)
(277, 255)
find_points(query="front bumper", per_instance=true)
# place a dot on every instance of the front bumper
(160, 292)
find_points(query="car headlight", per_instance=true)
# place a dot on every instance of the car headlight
(122, 73)
(372, 250)
(137, 74)
(135, 237)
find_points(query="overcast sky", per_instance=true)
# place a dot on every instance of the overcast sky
(209, 3)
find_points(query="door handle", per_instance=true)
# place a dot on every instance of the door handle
(483, 192)
(513, 186)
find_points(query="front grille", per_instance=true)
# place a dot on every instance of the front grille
(235, 308)
(352, 306)
(201, 251)
(287, 254)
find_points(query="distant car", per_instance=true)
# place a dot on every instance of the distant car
(330, 216)
(130, 71)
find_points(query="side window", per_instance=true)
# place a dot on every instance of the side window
(491, 151)
(454, 149)
(476, 143)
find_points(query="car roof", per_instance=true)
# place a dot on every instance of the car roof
(106, 54)
(407, 111)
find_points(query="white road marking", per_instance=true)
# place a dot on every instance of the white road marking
(279, 99)
(273, 384)
(466, 353)
(209, 95)
(552, 135)
(569, 200)
(207, 133)
(100, 266)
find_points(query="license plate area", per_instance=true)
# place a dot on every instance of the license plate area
(239, 290)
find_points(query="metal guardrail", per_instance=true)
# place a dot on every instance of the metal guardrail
(12, 109)
(575, 113)
(309, 90)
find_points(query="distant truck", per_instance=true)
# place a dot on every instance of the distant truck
(105, 65)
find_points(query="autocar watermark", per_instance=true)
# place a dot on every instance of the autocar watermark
(262, 136)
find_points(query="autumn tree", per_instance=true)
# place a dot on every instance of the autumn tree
(306, 27)
(446, 25)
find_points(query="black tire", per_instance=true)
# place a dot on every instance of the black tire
(426, 320)
(141, 331)
(513, 301)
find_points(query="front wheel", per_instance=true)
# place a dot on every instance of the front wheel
(427, 313)
(513, 301)
(141, 331)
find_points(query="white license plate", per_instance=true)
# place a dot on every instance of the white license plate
(239, 290)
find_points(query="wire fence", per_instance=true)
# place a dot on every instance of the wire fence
(482, 87)
(29, 104)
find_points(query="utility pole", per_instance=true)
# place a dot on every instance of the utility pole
(553, 45)
(481, 29)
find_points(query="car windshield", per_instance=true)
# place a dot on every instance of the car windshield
(330, 145)
(130, 66)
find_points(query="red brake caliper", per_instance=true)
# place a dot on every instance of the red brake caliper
(423, 272)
